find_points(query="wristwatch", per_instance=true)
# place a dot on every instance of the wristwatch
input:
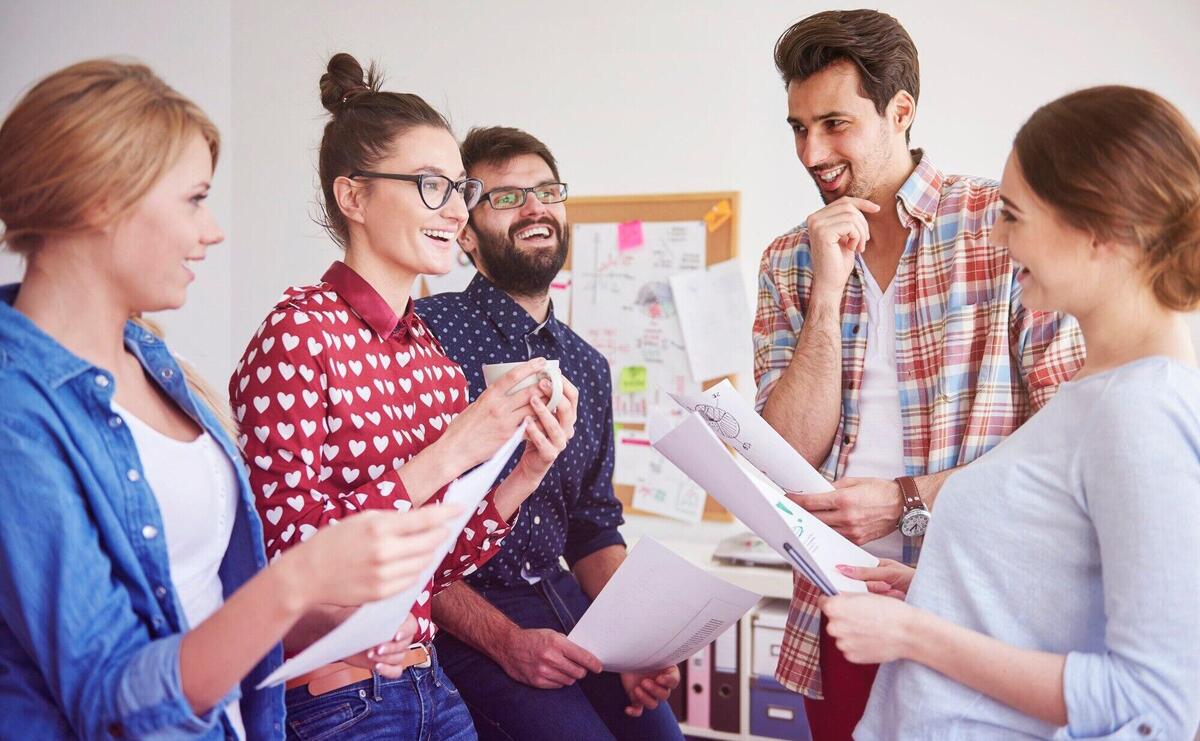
(915, 518)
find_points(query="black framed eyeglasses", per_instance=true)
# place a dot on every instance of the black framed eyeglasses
(435, 190)
(502, 198)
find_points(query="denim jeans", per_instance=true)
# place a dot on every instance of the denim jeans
(592, 709)
(422, 705)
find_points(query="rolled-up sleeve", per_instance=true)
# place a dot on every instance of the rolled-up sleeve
(1047, 346)
(64, 606)
(777, 320)
(1141, 475)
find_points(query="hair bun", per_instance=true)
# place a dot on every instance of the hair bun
(1176, 277)
(344, 80)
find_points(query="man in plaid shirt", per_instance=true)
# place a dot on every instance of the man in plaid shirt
(890, 342)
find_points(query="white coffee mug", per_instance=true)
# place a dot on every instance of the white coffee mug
(550, 371)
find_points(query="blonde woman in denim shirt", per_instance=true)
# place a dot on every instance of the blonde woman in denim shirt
(103, 174)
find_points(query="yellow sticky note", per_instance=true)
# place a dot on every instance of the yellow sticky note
(718, 215)
(632, 379)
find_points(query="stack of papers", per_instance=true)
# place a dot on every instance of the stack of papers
(753, 489)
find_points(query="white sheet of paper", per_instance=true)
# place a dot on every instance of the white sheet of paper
(714, 317)
(669, 492)
(812, 547)
(621, 304)
(560, 296)
(657, 610)
(633, 456)
(377, 622)
(735, 421)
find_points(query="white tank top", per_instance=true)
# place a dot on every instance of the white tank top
(195, 486)
(879, 452)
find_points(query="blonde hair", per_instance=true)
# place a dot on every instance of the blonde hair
(82, 147)
(85, 144)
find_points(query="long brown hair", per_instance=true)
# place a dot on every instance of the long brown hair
(82, 147)
(1123, 164)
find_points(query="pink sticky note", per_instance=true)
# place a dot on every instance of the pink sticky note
(629, 235)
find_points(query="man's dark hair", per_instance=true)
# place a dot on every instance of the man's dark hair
(875, 43)
(499, 144)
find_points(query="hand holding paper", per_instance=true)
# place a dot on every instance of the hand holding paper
(736, 422)
(377, 622)
(657, 610)
(810, 545)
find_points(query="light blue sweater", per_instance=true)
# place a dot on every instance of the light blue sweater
(1079, 535)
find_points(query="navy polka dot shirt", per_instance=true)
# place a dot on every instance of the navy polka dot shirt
(574, 512)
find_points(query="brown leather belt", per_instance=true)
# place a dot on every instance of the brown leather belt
(339, 674)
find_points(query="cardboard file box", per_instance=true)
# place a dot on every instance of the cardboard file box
(776, 712)
(766, 638)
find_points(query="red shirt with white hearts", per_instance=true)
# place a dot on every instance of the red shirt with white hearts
(333, 395)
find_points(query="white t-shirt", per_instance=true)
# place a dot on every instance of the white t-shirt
(195, 486)
(879, 451)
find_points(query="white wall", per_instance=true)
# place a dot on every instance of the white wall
(188, 45)
(633, 97)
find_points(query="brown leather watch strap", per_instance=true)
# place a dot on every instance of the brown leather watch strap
(909, 493)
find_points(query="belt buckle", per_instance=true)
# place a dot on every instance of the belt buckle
(428, 661)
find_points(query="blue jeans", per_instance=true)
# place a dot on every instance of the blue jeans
(422, 705)
(506, 710)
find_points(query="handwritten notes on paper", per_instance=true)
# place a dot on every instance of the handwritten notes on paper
(714, 316)
(621, 304)
(811, 547)
(658, 486)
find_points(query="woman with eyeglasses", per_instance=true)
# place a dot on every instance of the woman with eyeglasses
(348, 403)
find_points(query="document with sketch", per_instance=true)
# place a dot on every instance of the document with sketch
(810, 546)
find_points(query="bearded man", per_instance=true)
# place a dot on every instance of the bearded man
(503, 640)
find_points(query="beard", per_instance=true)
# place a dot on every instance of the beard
(515, 271)
(865, 175)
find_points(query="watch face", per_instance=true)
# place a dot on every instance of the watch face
(914, 522)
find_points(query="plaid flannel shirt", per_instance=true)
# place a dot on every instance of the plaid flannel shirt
(973, 363)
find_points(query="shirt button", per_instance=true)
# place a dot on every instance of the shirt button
(856, 328)
(149, 532)
(1144, 729)
(133, 475)
(160, 591)
(846, 440)
(537, 520)
(148, 338)
(102, 381)
(115, 421)
(528, 566)
(166, 373)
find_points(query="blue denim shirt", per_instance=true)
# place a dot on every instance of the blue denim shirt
(91, 623)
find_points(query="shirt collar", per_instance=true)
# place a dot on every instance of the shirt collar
(23, 342)
(921, 193)
(366, 301)
(509, 317)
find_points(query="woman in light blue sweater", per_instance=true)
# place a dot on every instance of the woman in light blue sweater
(1057, 594)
